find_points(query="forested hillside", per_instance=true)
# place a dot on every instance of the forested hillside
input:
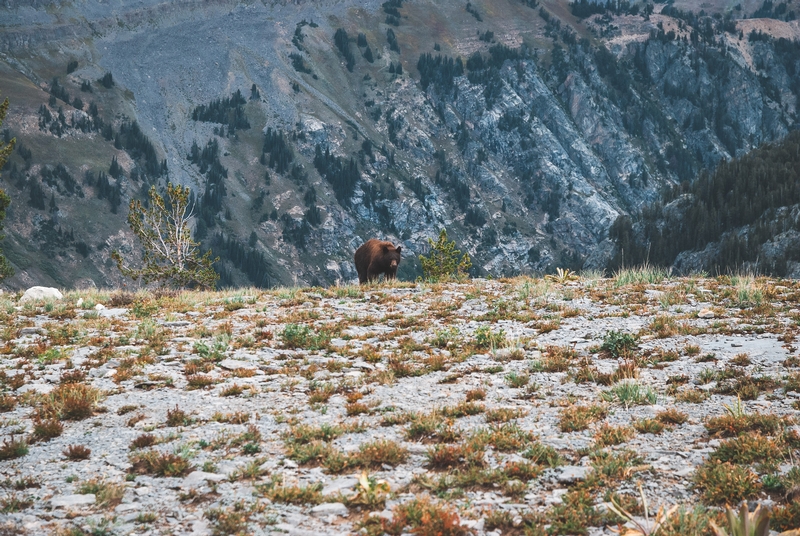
(746, 214)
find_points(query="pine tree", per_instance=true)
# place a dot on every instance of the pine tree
(5, 151)
(444, 261)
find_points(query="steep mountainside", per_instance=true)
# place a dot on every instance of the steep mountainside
(525, 128)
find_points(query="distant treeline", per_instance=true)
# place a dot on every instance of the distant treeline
(228, 111)
(746, 191)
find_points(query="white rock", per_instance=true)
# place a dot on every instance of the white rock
(706, 313)
(201, 528)
(197, 478)
(328, 509)
(79, 303)
(72, 500)
(41, 293)
(99, 307)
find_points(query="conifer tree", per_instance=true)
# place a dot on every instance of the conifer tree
(444, 261)
(5, 151)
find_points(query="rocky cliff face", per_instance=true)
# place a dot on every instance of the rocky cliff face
(327, 123)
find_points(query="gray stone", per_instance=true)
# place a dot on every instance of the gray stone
(235, 364)
(127, 507)
(226, 467)
(328, 509)
(198, 478)
(41, 293)
(294, 531)
(571, 473)
(176, 323)
(41, 388)
(340, 485)
(26, 332)
(111, 313)
(72, 500)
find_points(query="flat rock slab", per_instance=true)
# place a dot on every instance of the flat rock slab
(235, 364)
(198, 478)
(72, 500)
(571, 473)
(329, 509)
(26, 332)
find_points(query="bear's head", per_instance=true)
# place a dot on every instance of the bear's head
(392, 254)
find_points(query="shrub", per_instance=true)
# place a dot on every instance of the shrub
(425, 519)
(724, 483)
(170, 255)
(619, 344)
(76, 452)
(71, 402)
(14, 448)
(159, 464)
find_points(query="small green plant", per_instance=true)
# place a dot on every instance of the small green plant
(276, 491)
(444, 261)
(159, 464)
(370, 493)
(645, 273)
(607, 435)
(648, 426)
(303, 337)
(177, 417)
(107, 493)
(618, 343)
(516, 380)
(629, 393)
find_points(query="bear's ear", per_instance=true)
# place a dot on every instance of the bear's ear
(398, 248)
(385, 249)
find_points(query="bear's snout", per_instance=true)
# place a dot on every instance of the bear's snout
(394, 263)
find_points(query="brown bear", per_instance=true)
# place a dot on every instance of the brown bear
(376, 257)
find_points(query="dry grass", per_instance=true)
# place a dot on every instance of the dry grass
(76, 452)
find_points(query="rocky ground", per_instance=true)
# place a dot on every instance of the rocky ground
(511, 406)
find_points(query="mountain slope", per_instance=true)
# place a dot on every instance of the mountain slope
(305, 128)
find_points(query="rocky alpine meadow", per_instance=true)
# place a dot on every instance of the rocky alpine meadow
(511, 406)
